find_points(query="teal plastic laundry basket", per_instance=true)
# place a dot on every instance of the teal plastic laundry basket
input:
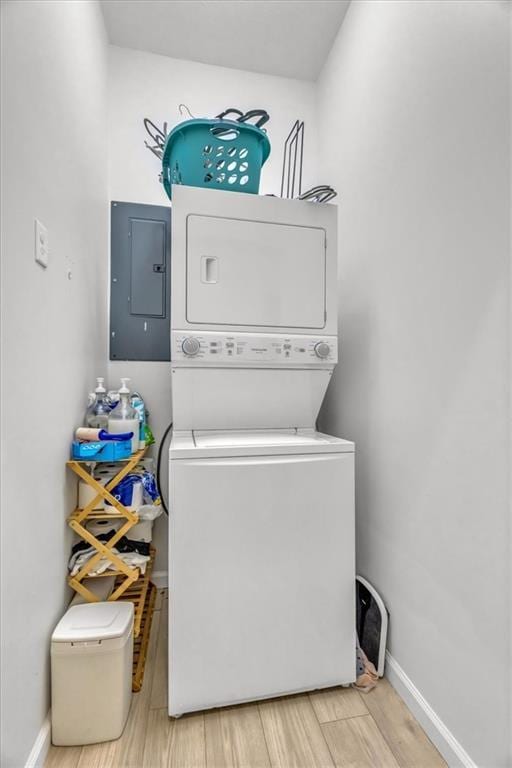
(216, 154)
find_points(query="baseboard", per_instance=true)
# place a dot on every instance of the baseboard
(453, 752)
(160, 579)
(41, 747)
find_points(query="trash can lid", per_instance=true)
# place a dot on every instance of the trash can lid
(94, 621)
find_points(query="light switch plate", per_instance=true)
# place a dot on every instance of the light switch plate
(41, 244)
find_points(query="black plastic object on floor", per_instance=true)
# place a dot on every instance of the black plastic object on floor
(371, 623)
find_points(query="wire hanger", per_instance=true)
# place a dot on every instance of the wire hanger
(182, 107)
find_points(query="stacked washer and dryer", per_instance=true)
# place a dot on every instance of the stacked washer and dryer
(262, 562)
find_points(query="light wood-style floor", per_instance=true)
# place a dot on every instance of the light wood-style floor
(338, 728)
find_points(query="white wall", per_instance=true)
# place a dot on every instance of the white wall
(414, 110)
(147, 85)
(54, 167)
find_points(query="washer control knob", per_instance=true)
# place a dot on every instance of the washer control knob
(322, 350)
(190, 346)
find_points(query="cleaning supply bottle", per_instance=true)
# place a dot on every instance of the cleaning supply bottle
(137, 402)
(98, 411)
(124, 418)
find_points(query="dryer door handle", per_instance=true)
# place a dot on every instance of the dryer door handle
(209, 269)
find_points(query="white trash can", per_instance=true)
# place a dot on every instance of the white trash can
(92, 656)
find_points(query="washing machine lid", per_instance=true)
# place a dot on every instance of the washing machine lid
(257, 442)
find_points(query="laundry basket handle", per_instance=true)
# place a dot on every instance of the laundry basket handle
(226, 131)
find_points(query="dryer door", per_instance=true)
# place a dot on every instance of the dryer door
(254, 273)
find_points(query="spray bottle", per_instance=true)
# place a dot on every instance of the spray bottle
(124, 418)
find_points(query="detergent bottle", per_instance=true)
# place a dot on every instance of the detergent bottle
(124, 418)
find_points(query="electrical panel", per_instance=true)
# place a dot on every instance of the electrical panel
(140, 272)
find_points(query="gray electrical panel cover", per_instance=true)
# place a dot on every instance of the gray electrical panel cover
(140, 272)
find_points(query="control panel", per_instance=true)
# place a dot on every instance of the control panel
(212, 348)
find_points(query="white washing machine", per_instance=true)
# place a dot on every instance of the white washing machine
(262, 571)
(262, 565)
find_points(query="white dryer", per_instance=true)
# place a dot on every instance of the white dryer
(253, 309)
(262, 571)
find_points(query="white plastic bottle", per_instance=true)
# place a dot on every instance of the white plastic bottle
(124, 418)
(98, 411)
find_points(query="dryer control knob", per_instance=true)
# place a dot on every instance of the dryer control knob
(322, 350)
(190, 346)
